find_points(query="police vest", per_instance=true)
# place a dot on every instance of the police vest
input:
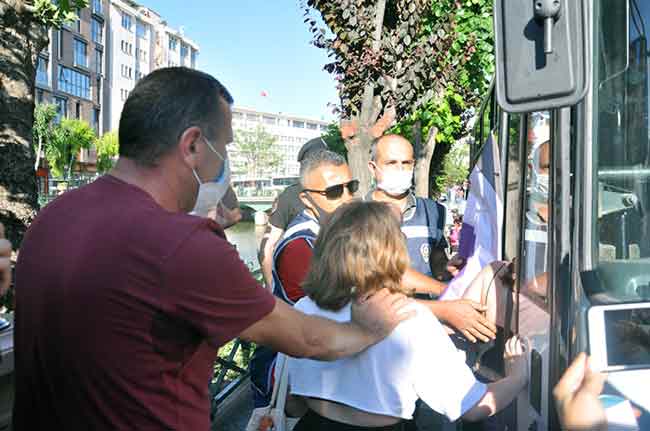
(424, 232)
(301, 227)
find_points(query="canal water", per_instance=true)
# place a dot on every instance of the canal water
(246, 238)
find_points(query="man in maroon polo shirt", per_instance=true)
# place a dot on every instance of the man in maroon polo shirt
(123, 299)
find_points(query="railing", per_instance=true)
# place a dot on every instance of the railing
(59, 186)
(228, 373)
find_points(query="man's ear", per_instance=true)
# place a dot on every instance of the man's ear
(305, 200)
(188, 145)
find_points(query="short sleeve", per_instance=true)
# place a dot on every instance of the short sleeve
(442, 379)
(293, 266)
(208, 286)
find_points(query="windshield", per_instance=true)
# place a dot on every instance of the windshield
(622, 150)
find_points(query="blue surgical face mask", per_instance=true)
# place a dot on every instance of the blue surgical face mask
(211, 192)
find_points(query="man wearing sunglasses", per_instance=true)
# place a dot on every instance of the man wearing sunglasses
(326, 183)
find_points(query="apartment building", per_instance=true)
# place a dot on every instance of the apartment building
(70, 72)
(290, 133)
(140, 42)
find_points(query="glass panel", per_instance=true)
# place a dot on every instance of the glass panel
(97, 31)
(80, 57)
(97, 6)
(141, 30)
(513, 190)
(41, 71)
(621, 218)
(98, 61)
(535, 255)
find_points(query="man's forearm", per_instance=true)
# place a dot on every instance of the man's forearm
(328, 340)
(414, 280)
(437, 308)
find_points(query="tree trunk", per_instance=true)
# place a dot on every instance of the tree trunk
(423, 156)
(21, 39)
(359, 148)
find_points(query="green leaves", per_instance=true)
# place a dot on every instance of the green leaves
(55, 15)
(68, 139)
(255, 152)
(107, 150)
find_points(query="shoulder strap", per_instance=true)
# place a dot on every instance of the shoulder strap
(280, 363)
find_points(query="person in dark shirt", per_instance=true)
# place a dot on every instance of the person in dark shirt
(285, 208)
(123, 299)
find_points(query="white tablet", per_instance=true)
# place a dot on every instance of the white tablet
(619, 336)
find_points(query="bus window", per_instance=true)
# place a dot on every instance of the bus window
(621, 177)
(535, 249)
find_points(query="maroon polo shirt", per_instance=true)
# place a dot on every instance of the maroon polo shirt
(120, 309)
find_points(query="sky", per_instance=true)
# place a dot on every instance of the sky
(255, 46)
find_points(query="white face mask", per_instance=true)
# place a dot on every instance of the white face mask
(211, 192)
(395, 182)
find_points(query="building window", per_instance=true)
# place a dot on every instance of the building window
(97, 6)
(138, 75)
(78, 23)
(97, 31)
(141, 30)
(41, 71)
(59, 44)
(193, 60)
(77, 110)
(61, 109)
(127, 47)
(73, 82)
(127, 72)
(173, 43)
(124, 94)
(95, 124)
(183, 50)
(299, 124)
(312, 126)
(126, 21)
(252, 118)
(269, 120)
(40, 95)
(98, 62)
(80, 56)
(98, 92)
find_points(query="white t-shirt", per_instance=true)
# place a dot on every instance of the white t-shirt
(417, 360)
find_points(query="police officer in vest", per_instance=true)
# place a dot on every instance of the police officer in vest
(325, 184)
(423, 220)
(391, 165)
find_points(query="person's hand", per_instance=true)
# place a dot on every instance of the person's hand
(515, 359)
(466, 317)
(5, 262)
(226, 217)
(576, 397)
(380, 313)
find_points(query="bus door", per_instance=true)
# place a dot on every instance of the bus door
(526, 239)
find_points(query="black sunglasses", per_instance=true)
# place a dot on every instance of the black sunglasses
(335, 192)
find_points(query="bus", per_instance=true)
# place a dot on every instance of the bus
(568, 110)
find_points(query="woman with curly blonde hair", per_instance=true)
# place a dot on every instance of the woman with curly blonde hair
(358, 253)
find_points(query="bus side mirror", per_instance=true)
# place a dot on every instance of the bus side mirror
(541, 49)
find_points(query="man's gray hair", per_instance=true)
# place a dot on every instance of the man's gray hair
(317, 159)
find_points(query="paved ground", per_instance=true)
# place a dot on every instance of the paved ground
(233, 414)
